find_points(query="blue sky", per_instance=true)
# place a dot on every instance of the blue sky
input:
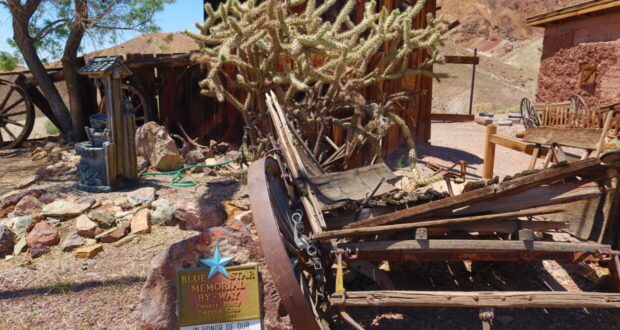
(175, 17)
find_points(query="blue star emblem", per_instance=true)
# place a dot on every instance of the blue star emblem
(216, 264)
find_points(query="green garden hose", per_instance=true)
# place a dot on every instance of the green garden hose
(178, 182)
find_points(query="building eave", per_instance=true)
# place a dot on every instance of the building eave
(573, 12)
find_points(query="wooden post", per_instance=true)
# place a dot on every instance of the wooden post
(489, 153)
(473, 82)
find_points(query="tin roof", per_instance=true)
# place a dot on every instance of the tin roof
(573, 12)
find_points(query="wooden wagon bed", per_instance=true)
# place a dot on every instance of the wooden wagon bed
(326, 224)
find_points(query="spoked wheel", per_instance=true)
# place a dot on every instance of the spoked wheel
(142, 107)
(16, 115)
(298, 288)
(529, 114)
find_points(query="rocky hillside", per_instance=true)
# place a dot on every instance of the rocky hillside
(496, 27)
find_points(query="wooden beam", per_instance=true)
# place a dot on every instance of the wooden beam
(585, 138)
(508, 299)
(473, 246)
(572, 12)
(451, 117)
(365, 231)
(523, 183)
(462, 59)
(489, 153)
(517, 145)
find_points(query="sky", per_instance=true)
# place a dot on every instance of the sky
(175, 17)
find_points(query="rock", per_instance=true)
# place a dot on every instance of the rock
(210, 161)
(54, 221)
(141, 222)
(159, 294)
(222, 182)
(54, 170)
(141, 196)
(23, 224)
(89, 252)
(64, 209)
(155, 144)
(26, 206)
(223, 146)
(71, 242)
(486, 121)
(86, 227)
(114, 234)
(486, 114)
(20, 245)
(27, 182)
(197, 215)
(38, 250)
(42, 234)
(195, 157)
(103, 219)
(233, 209)
(7, 240)
(162, 214)
(11, 199)
(49, 197)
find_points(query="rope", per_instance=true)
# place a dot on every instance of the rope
(178, 182)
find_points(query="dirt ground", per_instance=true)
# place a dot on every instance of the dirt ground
(58, 291)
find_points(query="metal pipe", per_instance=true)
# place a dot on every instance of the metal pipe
(473, 81)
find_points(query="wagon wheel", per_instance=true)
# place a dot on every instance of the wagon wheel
(269, 202)
(529, 114)
(577, 104)
(16, 115)
(141, 104)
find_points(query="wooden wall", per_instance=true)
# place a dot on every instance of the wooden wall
(176, 95)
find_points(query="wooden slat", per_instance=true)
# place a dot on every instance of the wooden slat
(516, 185)
(451, 117)
(462, 60)
(585, 138)
(356, 232)
(524, 299)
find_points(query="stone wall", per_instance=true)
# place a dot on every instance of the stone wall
(567, 45)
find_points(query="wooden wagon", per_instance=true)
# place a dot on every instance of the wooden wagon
(314, 225)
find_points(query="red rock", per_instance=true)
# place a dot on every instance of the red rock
(71, 242)
(115, 235)
(159, 293)
(27, 182)
(42, 234)
(26, 206)
(86, 227)
(39, 250)
(197, 215)
(155, 144)
(11, 199)
(7, 240)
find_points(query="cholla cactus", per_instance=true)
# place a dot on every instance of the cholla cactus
(316, 67)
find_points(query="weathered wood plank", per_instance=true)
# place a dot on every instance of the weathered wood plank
(451, 117)
(462, 59)
(585, 138)
(524, 299)
(511, 187)
(356, 232)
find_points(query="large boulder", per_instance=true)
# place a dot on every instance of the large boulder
(197, 215)
(159, 293)
(7, 240)
(156, 146)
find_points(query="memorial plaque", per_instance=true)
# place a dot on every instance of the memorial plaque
(219, 302)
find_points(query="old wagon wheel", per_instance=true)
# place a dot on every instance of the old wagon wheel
(577, 103)
(270, 204)
(529, 114)
(141, 104)
(16, 115)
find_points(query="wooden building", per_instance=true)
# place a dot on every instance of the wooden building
(581, 53)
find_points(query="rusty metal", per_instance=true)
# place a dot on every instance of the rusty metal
(276, 256)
